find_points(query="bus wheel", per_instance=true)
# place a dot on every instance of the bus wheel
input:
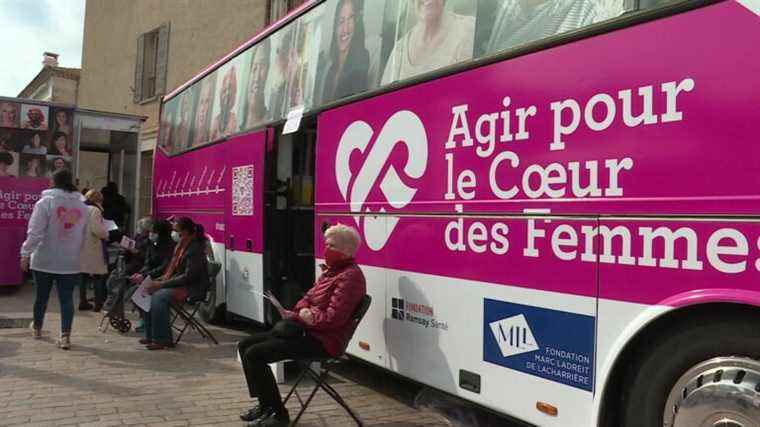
(717, 392)
(705, 376)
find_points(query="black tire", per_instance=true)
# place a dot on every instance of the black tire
(210, 312)
(677, 349)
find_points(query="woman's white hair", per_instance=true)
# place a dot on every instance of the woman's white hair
(145, 223)
(346, 238)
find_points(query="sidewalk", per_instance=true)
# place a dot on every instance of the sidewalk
(110, 380)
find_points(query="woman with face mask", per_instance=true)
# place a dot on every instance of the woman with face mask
(158, 254)
(320, 324)
(186, 276)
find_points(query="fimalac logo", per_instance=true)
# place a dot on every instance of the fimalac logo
(403, 127)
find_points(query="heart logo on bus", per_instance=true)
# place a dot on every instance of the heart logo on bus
(403, 127)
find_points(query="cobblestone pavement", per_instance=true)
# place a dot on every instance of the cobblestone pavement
(109, 380)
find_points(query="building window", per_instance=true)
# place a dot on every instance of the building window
(151, 64)
(276, 9)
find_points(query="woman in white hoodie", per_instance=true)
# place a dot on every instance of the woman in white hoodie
(52, 250)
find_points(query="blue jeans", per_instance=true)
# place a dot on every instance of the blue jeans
(157, 328)
(65, 283)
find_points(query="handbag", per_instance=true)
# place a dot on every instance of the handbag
(288, 328)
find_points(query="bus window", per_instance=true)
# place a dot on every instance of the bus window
(452, 25)
(522, 21)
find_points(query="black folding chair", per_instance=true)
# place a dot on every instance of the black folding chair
(325, 366)
(187, 310)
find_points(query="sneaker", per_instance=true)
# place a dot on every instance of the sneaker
(273, 419)
(36, 332)
(64, 343)
(254, 413)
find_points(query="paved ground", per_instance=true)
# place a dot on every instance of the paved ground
(109, 379)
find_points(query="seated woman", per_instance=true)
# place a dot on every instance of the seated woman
(157, 255)
(185, 276)
(321, 320)
(134, 258)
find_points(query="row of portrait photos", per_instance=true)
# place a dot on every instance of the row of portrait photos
(35, 140)
(345, 47)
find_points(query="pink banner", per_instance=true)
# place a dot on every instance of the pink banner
(17, 199)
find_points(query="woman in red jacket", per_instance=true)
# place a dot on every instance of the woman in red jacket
(318, 326)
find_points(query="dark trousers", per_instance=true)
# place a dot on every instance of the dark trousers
(98, 285)
(65, 284)
(261, 349)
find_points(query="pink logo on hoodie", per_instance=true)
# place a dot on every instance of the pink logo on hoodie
(68, 217)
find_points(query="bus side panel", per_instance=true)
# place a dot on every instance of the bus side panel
(192, 184)
(245, 225)
(484, 309)
(652, 266)
(17, 199)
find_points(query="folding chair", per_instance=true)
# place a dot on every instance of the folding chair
(181, 310)
(326, 364)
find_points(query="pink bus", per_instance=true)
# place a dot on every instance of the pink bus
(558, 200)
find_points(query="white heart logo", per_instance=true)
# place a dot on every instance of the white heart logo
(404, 127)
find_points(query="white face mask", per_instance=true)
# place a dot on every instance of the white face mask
(153, 237)
(176, 236)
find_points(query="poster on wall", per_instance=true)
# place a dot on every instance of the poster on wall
(9, 114)
(34, 117)
(37, 141)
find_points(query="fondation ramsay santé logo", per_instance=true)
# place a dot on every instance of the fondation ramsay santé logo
(403, 127)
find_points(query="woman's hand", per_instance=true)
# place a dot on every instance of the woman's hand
(25, 264)
(137, 278)
(155, 286)
(306, 315)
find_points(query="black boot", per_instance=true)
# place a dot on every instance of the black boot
(279, 418)
(254, 413)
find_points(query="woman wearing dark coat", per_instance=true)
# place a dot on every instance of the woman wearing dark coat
(186, 276)
(156, 257)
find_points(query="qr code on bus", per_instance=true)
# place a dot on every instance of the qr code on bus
(242, 190)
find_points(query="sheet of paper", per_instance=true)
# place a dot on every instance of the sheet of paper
(294, 120)
(141, 298)
(110, 225)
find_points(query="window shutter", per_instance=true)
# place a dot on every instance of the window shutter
(137, 96)
(162, 58)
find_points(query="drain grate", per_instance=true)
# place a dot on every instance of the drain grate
(14, 323)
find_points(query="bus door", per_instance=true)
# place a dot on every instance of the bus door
(245, 225)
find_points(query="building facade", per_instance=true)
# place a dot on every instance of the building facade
(134, 52)
(53, 83)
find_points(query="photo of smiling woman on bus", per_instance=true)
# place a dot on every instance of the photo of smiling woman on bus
(344, 66)
(523, 21)
(438, 38)
(202, 127)
(226, 122)
(255, 108)
(181, 131)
